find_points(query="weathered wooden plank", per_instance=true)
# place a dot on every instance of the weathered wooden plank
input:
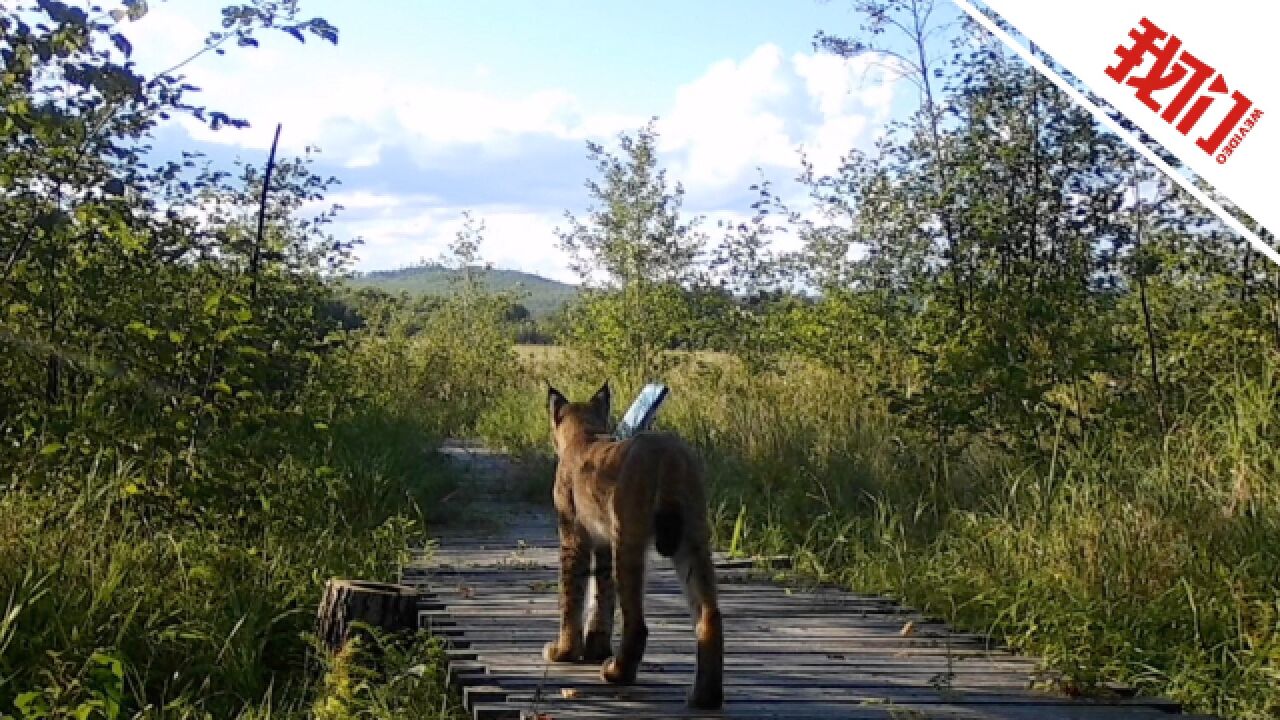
(828, 640)
(808, 662)
(780, 620)
(762, 648)
(918, 675)
(544, 590)
(657, 661)
(672, 609)
(507, 633)
(586, 681)
(561, 709)
(886, 694)
(794, 616)
(656, 572)
(543, 593)
(464, 549)
(487, 600)
(791, 625)
(789, 621)
(464, 565)
(655, 580)
(735, 629)
(654, 568)
(817, 708)
(543, 587)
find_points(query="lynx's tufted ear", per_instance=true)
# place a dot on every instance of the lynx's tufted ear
(600, 402)
(556, 402)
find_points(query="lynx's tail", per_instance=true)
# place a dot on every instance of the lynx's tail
(668, 524)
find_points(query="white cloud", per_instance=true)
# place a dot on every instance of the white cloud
(163, 37)
(726, 122)
(364, 200)
(839, 86)
(737, 115)
(355, 109)
(761, 111)
(352, 110)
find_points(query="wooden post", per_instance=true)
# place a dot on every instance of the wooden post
(382, 605)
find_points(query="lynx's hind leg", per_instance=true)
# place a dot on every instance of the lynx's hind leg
(598, 645)
(629, 569)
(697, 575)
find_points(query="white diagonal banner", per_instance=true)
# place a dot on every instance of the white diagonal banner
(1194, 77)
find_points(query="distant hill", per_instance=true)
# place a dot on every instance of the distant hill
(542, 296)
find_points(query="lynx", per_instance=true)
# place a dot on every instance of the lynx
(614, 499)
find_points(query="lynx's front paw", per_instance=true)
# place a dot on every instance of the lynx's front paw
(615, 672)
(557, 653)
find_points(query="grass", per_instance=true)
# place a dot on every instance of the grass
(1112, 555)
(406, 680)
(1115, 557)
(198, 616)
(129, 591)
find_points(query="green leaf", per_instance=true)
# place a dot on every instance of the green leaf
(739, 525)
(52, 448)
(91, 709)
(140, 328)
(32, 704)
(137, 9)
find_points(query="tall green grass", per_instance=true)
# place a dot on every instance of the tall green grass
(130, 590)
(1152, 561)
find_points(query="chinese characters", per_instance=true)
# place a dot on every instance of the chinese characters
(1174, 67)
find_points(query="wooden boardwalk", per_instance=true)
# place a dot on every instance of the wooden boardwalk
(790, 653)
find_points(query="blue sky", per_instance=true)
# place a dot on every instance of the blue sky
(427, 109)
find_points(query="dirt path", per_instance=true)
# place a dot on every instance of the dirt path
(490, 588)
(491, 502)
